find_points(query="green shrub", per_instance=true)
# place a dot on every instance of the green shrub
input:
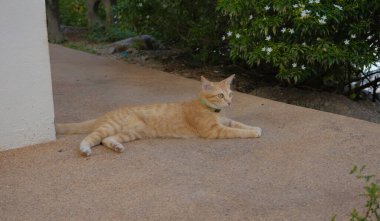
(304, 39)
(111, 34)
(194, 26)
(73, 12)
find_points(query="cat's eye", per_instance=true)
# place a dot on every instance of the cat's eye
(221, 95)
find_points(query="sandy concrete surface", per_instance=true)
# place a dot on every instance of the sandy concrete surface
(298, 169)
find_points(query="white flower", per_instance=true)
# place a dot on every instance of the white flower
(269, 50)
(291, 30)
(268, 38)
(140, 4)
(369, 37)
(304, 44)
(324, 17)
(322, 21)
(303, 67)
(229, 33)
(237, 35)
(294, 65)
(250, 17)
(338, 7)
(264, 49)
(311, 1)
(283, 30)
(324, 49)
(147, 17)
(266, 8)
(303, 13)
(346, 42)
(295, 6)
(223, 37)
(317, 1)
(353, 36)
(301, 6)
(318, 39)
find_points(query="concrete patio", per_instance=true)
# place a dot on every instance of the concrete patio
(298, 170)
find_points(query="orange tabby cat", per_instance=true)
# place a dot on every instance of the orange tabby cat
(196, 118)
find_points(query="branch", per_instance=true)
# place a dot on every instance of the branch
(369, 84)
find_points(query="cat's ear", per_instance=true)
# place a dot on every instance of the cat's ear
(206, 84)
(229, 79)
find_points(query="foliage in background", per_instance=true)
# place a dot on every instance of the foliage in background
(319, 42)
(304, 39)
(194, 26)
(73, 12)
(111, 34)
(372, 194)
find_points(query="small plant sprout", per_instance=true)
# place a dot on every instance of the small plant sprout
(268, 38)
(372, 194)
(346, 42)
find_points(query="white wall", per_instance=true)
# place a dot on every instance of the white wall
(26, 100)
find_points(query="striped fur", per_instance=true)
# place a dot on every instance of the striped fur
(178, 120)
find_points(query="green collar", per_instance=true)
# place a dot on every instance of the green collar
(203, 102)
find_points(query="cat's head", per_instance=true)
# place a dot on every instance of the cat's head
(217, 94)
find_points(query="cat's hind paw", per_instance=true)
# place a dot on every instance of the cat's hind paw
(258, 131)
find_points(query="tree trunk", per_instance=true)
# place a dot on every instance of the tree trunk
(93, 13)
(52, 15)
(108, 9)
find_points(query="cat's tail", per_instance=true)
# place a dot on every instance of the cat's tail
(75, 128)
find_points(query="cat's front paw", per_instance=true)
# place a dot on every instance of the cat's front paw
(258, 131)
(85, 151)
(118, 147)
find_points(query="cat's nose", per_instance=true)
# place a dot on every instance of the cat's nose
(229, 103)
